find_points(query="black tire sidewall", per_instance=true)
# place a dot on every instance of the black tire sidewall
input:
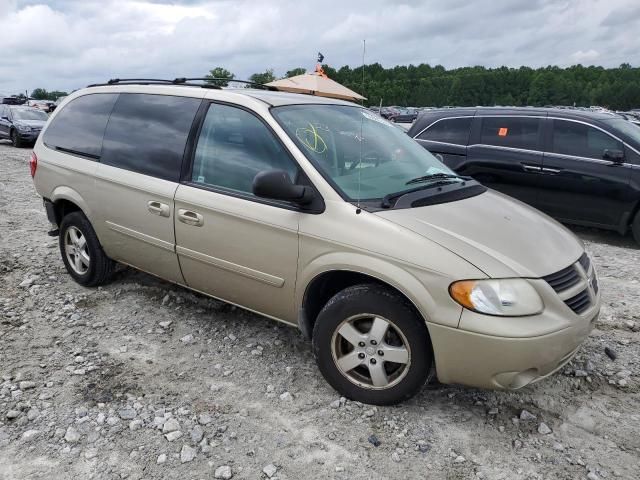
(15, 140)
(635, 228)
(377, 300)
(79, 221)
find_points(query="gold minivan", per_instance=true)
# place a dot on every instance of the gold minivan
(317, 213)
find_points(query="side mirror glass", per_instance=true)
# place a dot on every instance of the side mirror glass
(616, 156)
(277, 185)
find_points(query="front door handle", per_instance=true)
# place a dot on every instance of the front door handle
(552, 171)
(157, 208)
(190, 218)
(531, 168)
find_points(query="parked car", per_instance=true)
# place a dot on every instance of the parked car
(387, 112)
(43, 105)
(13, 100)
(20, 124)
(403, 116)
(317, 213)
(580, 167)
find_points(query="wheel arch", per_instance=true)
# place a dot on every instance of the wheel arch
(325, 284)
(66, 200)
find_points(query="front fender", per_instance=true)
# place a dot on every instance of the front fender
(427, 291)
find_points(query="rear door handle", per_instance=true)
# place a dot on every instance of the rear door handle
(190, 218)
(551, 170)
(157, 208)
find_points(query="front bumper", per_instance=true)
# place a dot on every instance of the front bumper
(508, 363)
(30, 137)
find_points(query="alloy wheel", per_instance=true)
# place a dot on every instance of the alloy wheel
(371, 351)
(76, 250)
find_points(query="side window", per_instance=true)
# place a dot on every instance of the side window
(449, 130)
(511, 132)
(148, 133)
(577, 139)
(79, 127)
(233, 147)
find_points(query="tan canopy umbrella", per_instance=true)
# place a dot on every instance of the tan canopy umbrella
(315, 84)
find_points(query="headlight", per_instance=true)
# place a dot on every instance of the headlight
(23, 128)
(510, 297)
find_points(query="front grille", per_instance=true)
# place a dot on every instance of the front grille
(585, 262)
(565, 278)
(571, 276)
(580, 302)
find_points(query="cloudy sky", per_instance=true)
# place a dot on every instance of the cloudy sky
(66, 44)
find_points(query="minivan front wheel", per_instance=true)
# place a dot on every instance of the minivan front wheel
(16, 141)
(82, 253)
(372, 346)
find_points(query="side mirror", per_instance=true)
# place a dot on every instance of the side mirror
(616, 156)
(277, 185)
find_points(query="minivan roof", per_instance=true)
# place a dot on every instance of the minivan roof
(270, 97)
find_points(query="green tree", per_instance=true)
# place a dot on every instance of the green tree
(40, 94)
(295, 71)
(219, 77)
(264, 77)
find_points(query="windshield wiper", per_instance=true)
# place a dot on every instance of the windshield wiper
(435, 176)
(386, 200)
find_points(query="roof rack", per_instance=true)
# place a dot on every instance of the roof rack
(181, 81)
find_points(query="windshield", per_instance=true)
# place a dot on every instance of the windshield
(29, 114)
(628, 128)
(364, 156)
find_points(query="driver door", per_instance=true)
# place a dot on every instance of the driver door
(230, 243)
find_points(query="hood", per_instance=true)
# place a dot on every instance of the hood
(31, 123)
(497, 234)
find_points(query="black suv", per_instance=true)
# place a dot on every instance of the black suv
(580, 167)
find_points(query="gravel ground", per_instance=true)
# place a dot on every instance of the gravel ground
(143, 379)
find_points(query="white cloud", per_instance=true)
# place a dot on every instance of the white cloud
(66, 44)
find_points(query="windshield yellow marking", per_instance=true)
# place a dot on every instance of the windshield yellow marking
(311, 139)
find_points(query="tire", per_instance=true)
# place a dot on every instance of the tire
(359, 312)
(89, 266)
(15, 139)
(635, 228)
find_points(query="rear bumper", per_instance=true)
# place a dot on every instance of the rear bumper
(505, 363)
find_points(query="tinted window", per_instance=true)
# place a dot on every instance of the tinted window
(449, 130)
(572, 138)
(234, 146)
(79, 126)
(510, 132)
(147, 134)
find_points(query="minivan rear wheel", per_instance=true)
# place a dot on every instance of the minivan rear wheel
(82, 253)
(371, 345)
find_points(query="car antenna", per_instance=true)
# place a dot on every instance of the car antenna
(359, 166)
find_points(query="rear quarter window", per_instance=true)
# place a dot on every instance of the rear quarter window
(448, 130)
(512, 132)
(147, 134)
(79, 127)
